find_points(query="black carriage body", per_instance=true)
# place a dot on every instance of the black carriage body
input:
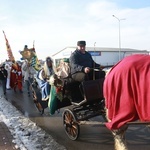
(90, 106)
(84, 100)
(93, 103)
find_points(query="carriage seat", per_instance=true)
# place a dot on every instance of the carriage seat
(92, 91)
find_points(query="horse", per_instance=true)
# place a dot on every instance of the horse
(127, 97)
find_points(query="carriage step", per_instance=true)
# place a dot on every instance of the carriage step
(78, 104)
(92, 123)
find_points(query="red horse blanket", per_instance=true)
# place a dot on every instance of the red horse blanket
(127, 91)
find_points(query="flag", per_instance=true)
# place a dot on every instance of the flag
(9, 51)
(35, 62)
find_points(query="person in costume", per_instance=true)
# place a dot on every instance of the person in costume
(44, 75)
(16, 77)
(3, 77)
(29, 73)
(8, 68)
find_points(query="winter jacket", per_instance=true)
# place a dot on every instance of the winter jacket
(79, 61)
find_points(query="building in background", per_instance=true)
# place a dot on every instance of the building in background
(103, 56)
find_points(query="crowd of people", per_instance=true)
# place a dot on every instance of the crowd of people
(14, 73)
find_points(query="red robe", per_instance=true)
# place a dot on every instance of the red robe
(127, 91)
(16, 77)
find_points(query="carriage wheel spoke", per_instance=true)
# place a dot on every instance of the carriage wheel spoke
(69, 116)
(74, 127)
(66, 121)
(74, 130)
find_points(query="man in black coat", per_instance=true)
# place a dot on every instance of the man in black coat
(82, 64)
(3, 78)
(82, 68)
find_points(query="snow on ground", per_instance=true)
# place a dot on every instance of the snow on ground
(27, 135)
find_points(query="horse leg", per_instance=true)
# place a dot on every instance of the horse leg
(119, 138)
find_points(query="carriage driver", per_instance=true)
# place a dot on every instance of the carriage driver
(82, 64)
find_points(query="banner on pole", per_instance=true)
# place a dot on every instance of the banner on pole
(9, 51)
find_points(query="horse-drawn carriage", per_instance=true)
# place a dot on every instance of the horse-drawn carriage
(84, 100)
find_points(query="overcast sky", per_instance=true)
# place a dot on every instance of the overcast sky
(56, 24)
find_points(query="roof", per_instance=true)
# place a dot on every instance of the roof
(104, 49)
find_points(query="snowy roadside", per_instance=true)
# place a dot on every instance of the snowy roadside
(27, 135)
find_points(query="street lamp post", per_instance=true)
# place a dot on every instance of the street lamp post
(119, 34)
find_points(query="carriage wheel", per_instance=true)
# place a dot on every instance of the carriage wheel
(72, 128)
(37, 104)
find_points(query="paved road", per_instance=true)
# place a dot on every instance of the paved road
(92, 137)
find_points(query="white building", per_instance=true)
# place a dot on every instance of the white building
(103, 56)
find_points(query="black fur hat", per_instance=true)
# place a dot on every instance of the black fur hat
(81, 43)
